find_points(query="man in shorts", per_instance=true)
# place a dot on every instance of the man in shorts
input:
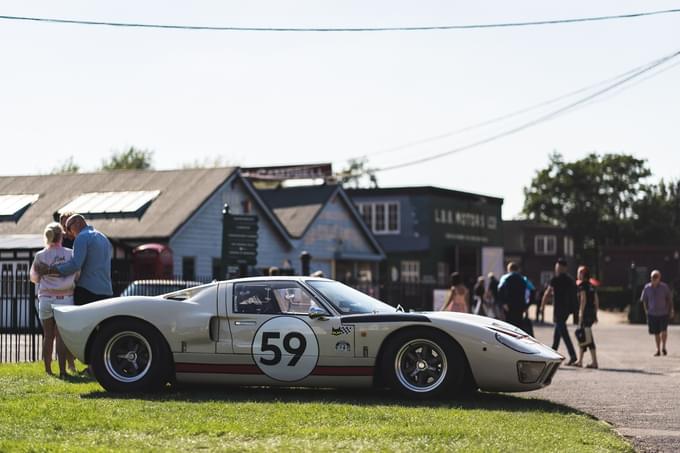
(658, 303)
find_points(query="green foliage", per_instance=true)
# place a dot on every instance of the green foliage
(208, 162)
(41, 413)
(356, 173)
(132, 159)
(656, 218)
(67, 166)
(593, 197)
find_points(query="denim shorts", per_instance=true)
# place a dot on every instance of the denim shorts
(45, 303)
(657, 324)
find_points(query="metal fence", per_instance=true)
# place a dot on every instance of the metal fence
(21, 330)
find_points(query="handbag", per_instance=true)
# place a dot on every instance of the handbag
(580, 334)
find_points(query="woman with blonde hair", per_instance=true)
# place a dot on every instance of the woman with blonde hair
(53, 290)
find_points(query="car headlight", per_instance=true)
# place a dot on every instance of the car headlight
(517, 344)
(529, 372)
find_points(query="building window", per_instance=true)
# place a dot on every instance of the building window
(188, 268)
(568, 246)
(366, 211)
(393, 217)
(545, 244)
(382, 218)
(410, 271)
(379, 219)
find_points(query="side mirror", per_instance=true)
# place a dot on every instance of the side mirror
(317, 313)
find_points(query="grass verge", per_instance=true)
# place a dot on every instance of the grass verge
(43, 413)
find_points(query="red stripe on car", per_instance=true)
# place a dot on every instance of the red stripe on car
(214, 368)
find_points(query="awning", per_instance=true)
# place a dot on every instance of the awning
(21, 241)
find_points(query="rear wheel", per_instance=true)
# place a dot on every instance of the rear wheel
(130, 356)
(423, 363)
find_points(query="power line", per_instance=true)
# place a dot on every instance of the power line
(500, 118)
(536, 121)
(341, 29)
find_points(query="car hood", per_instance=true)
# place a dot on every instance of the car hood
(472, 320)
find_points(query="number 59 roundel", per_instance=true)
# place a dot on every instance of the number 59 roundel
(285, 349)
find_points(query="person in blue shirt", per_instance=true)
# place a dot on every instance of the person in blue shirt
(512, 290)
(92, 253)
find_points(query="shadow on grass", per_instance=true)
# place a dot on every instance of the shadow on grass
(356, 397)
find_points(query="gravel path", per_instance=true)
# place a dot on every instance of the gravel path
(637, 393)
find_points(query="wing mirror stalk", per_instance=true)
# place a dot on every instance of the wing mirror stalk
(317, 313)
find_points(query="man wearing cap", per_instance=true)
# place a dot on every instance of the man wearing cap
(658, 303)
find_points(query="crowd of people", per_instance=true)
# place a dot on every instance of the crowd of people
(510, 298)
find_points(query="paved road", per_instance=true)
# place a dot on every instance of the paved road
(637, 393)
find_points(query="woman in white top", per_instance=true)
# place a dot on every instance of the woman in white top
(53, 290)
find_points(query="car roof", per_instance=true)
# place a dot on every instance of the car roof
(279, 278)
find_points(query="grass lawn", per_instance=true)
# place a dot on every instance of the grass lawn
(39, 413)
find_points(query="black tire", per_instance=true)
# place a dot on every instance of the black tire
(130, 356)
(424, 363)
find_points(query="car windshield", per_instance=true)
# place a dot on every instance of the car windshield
(348, 300)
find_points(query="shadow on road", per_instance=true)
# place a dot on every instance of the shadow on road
(630, 370)
(363, 397)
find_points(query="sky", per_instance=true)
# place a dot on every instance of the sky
(267, 98)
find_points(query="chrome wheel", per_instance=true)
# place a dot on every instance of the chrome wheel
(127, 356)
(420, 365)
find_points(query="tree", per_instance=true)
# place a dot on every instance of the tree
(593, 197)
(67, 166)
(356, 172)
(656, 219)
(132, 159)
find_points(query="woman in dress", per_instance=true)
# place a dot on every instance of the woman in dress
(459, 298)
(53, 290)
(588, 307)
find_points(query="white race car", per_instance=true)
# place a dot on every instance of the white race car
(298, 331)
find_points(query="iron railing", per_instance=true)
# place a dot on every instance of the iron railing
(21, 330)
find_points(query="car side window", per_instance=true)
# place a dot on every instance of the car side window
(273, 297)
(255, 298)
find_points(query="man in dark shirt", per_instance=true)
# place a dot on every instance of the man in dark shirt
(563, 289)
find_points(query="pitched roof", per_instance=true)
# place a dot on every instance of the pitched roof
(297, 207)
(181, 193)
(423, 190)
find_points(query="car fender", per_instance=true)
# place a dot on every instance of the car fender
(183, 323)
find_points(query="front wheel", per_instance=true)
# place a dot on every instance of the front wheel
(423, 363)
(130, 356)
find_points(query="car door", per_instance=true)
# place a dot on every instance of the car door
(270, 323)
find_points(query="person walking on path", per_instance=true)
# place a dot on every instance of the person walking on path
(512, 291)
(478, 291)
(491, 296)
(658, 303)
(53, 290)
(588, 307)
(92, 254)
(563, 290)
(459, 298)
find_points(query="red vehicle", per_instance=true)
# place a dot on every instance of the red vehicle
(151, 261)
